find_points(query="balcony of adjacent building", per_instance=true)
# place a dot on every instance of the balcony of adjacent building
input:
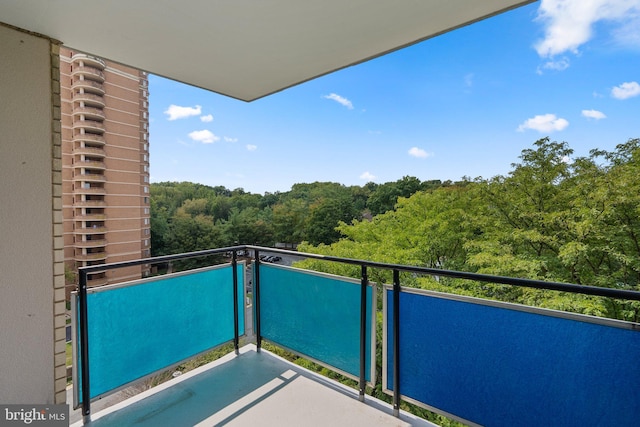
(99, 279)
(90, 215)
(87, 86)
(90, 201)
(95, 152)
(88, 72)
(94, 140)
(90, 176)
(90, 254)
(88, 60)
(89, 99)
(88, 161)
(89, 188)
(89, 241)
(477, 361)
(88, 113)
(90, 227)
(89, 126)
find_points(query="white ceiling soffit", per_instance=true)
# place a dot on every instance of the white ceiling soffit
(244, 49)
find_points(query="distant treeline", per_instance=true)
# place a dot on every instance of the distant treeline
(186, 216)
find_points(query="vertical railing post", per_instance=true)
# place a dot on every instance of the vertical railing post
(396, 343)
(84, 347)
(256, 300)
(234, 265)
(363, 331)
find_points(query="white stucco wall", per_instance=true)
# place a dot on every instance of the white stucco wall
(27, 363)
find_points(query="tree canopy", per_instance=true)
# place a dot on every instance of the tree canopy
(309, 212)
(551, 218)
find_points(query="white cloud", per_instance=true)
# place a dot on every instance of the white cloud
(340, 100)
(176, 112)
(559, 65)
(569, 23)
(594, 114)
(228, 139)
(208, 118)
(626, 90)
(367, 176)
(204, 136)
(628, 34)
(544, 123)
(419, 152)
(252, 147)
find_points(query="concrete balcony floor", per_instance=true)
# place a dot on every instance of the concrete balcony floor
(251, 389)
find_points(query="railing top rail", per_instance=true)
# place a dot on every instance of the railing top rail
(530, 283)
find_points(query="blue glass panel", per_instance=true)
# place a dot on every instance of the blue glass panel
(137, 330)
(315, 315)
(504, 367)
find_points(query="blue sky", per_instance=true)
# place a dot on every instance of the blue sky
(465, 103)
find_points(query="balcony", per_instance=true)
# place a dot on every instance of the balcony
(89, 99)
(92, 138)
(474, 360)
(93, 126)
(91, 256)
(90, 217)
(90, 204)
(89, 60)
(93, 164)
(89, 151)
(89, 177)
(89, 113)
(91, 230)
(98, 281)
(89, 72)
(90, 243)
(90, 190)
(88, 86)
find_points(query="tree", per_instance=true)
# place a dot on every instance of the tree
(289, 221)
(385, 196)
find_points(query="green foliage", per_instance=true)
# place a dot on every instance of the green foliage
(550, 218)
(385, 196)
(308, 212)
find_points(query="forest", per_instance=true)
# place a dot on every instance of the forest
(552, 217)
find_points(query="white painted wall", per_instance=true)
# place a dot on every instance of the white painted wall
(26, 212)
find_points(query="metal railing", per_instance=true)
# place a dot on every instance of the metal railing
(364, 265)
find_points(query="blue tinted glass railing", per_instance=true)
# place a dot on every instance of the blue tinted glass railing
(317, 316)
(138, 328)
(473, 360)
(502, 364)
